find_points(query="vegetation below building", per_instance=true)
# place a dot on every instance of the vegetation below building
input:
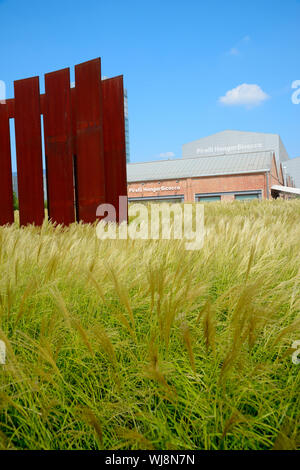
(123, 344)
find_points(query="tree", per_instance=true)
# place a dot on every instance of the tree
(15, 201)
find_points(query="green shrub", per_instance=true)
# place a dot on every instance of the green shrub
(15, 201)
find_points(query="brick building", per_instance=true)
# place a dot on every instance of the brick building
(220, 170)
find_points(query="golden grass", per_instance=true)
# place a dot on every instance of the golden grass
(123, 344)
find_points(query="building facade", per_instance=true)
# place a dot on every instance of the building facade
(232, 142)
(292, 167)
(228, 166)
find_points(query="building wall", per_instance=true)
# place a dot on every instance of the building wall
(276, 176)
(229, 142)
(229, 183)
(189, 187)
(293, 168)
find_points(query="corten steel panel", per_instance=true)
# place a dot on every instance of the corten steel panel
(73, 113)
(58, 147)
(114, 142)
(10, 108)
(74, 150)
(29, 151)
(6, 188)
(89, 139)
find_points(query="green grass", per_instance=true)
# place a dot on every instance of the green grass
(144, 345)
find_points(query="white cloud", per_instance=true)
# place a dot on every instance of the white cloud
(244, 95)
(234, 51)
(2, 92)
(166, 155)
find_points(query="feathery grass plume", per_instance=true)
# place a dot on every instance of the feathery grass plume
(42, 348)
(52, 266)
(60, 303)
(83, 334)
(244, 320)
(235, 419)
(105, 343)
(188, 343)
(166, 320)
(202, 310)
(292, 328)
(295, 293)
(71, 321)
(284, 443)
(5, 443)
(288, 437)
(153, 372)
(156, 375)
(250, 263)
(8, 348)
(31, 287)
(96, 284)
(246, 274)
(91, 419)
(153, 353)
(122, 294)
(9, 295)
(151, 279)
(49, 324)
(134, 437)
(209, 327)
(123, 320)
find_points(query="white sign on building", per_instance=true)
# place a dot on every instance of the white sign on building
(153, 189)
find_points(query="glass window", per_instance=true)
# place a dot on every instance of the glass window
(246, 197)
(156, 200)
(208, 198)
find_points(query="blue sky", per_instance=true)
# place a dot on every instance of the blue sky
(178, 59)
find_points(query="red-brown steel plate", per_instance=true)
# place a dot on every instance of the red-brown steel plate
(114, 142)
(6, 188)
(89, 139)
(58, 147)
(29, 151)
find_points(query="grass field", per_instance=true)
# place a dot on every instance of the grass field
(144, 345)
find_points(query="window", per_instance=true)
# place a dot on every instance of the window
(208, 198)
(147, 200)
(246, 197)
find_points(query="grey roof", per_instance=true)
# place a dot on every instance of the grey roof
(293, 169)
(231, 141)
(193, 167)
(285, 190)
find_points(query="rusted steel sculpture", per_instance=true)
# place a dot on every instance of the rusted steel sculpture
(85, 150)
